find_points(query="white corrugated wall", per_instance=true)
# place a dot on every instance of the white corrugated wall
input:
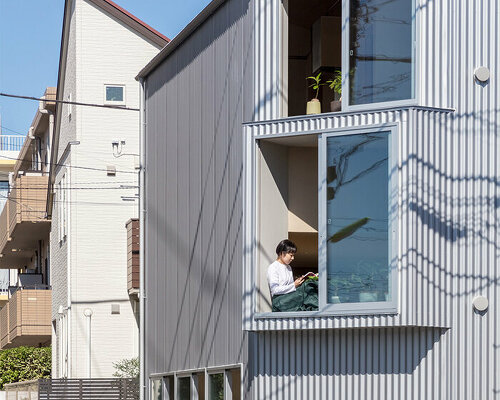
(449, 241)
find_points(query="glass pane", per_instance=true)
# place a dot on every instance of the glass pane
(169, 387)
(184, 388)
(156, 393)
(200, 385)
(380, 51)
(357, 218)
(216, 389)
(114, 93)
(236, 383)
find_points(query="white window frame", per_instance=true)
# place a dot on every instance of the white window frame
(413, 101)
(362, 308)
(224, 369)
(251, 201)
(110, 102)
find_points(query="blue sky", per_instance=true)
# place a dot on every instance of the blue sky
(30, 37)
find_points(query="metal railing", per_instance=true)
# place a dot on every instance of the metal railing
(74, 389)
(11, 142)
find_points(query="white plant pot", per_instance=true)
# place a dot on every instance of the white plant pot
(313, 107)
(367, 297)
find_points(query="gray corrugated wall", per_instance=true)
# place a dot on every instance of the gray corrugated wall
(452, 226)
(196, 101)
(452, 230)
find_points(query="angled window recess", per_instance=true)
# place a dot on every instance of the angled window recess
(335, 196)
(363, 50)
(114, 94)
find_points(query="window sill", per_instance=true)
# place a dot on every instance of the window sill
(320, 314)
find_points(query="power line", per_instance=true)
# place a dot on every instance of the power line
(76, 103)
(75, 188)
(69, 166)
(12, 130)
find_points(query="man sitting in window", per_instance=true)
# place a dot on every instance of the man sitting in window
(288, 294)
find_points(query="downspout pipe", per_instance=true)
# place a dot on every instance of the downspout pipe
(142, 248)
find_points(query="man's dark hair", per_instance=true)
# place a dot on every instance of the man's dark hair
(286, 246)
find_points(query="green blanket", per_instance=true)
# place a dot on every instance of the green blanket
(305, 298)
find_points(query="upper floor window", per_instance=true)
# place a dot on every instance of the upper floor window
(381, 56)
(336, 58)
(114, 94)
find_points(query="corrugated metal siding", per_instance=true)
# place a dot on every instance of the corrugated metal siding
(421, 301)
(449, 229)
(389, 363)
(196, 101)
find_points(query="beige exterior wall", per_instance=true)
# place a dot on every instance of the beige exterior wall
(107, 52)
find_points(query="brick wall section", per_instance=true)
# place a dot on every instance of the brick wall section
(132, 255)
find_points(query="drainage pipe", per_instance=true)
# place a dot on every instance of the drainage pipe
(142, 216)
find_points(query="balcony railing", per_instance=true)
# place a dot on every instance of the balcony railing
(11, 142)
(26, 319)
(22, 221)
(132, 256)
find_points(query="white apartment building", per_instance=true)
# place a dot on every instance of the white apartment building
(93, 186)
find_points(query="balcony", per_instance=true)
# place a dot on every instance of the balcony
(26, 319)
(22, 221)
(132, 256)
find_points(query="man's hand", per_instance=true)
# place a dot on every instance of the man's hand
(299, 281)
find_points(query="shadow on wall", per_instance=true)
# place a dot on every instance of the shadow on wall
(222, 19)
(202, 296)
(345, 353)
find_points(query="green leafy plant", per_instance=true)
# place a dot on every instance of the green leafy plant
(316, 84)
(24, 363)
(127, 368)
(336, 83)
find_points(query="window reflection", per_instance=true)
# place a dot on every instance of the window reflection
(380, 51)
(357, 213)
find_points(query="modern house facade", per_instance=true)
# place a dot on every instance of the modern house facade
(393, 200)
(24, 234)
(93, 186)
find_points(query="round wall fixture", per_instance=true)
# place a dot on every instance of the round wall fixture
(88, 312)
(480, 303)
(482, 74)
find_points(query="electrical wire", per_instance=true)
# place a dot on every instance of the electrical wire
(76, 103)
(71, 166)
(12, 130)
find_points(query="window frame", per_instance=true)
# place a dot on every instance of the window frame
(361, 308)
(252, 202)
(346, 107)
(112, 102)
(191, 373)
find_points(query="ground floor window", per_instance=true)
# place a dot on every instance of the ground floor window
(216, 383)
(334, 196)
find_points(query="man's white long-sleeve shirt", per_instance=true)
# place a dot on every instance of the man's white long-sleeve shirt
(280, 278)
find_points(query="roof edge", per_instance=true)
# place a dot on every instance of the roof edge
(180, 38)
(132, 21)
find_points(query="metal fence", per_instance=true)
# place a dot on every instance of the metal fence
(74, 389)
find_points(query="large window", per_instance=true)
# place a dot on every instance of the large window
(357, 180)
(381, 51)
(335, 196)
(361, 51)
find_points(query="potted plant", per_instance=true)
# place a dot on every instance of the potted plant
(314, 106)
(335, 84)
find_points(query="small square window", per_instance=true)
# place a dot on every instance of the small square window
(114, 94)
